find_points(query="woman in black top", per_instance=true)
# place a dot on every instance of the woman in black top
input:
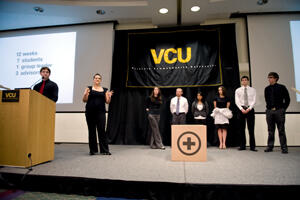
(153, 104)
(200, 109)
(95, 98)
(221, 101)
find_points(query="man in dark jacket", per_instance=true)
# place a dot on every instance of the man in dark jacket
(47, 87)
(277, 101)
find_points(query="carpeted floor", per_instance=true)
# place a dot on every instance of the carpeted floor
(25, 195)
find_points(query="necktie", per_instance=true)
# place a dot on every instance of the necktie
(42, 87)
(177, 107)
(245, 97)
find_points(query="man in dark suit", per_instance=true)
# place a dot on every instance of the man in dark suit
(47, 87)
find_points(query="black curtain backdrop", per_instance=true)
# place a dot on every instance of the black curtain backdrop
(127, 118)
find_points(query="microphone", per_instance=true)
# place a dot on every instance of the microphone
(295, 90)
(29, 156)
(29, 169)
(36, 82)
(3, 87)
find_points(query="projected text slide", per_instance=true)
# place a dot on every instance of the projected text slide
(23, 56)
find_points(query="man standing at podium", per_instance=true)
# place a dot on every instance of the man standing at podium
(47, 87)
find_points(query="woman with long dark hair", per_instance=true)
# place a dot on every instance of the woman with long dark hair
(153, 104)
(200, 109)
(95, 97)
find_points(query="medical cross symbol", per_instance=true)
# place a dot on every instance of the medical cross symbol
(186, 140)
(189, 143)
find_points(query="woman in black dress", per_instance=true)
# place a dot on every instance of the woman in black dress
(221, 122)
(95, 98)
(153, 103)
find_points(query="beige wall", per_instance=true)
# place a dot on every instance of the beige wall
(271, 50)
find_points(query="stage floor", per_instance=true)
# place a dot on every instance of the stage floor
(140, 163)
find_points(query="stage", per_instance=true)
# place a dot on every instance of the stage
(138, 167)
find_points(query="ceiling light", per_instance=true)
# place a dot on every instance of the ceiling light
(262, 2)
(195, 8)
(38, 9)
(163, 11)
(100, 12)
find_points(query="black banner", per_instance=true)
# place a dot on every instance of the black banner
(10, 95)
(189, 58)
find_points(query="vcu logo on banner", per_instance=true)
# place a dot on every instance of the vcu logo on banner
(10, 95)
(165, 52)
(174, 59)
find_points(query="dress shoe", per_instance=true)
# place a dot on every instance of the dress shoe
(162, 148)
(106, 153)
(268, 150)
(92, 153)
(241, 148)
(253, 149)
(285, 151)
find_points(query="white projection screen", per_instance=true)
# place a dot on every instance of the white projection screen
(73, 53)
(295, 33)
(271, 49)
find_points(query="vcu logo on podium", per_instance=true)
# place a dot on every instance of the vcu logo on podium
(188, 143)
(10, 95)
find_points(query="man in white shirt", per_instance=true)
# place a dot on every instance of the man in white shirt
(179, 107)
(245, 98)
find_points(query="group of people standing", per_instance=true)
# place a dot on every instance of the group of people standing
(179, 107)
(277, 101)
(276, 96)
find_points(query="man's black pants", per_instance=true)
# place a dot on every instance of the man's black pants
(250, 118)
(276, 117)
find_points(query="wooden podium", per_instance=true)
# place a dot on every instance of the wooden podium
(27, 128)
(189, 142)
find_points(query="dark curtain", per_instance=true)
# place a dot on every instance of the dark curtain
(127, 118)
